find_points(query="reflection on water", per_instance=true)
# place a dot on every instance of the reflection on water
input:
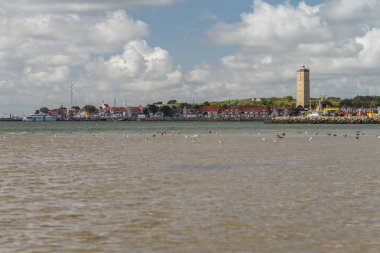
(116, 192)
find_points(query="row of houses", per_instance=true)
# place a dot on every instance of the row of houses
(212, 112)
(244, 112)
(103, 112)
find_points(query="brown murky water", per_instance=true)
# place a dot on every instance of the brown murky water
(231, 192)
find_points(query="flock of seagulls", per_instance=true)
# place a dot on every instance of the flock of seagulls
(275, 139)
(357, 136)
(192, 138)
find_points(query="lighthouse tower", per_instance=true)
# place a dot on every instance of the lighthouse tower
(303, 87)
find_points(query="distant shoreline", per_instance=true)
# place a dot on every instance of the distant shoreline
(288, 120)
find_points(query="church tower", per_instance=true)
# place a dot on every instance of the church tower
(303, 87)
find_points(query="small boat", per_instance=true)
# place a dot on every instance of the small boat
(39, 118)
(313, 115)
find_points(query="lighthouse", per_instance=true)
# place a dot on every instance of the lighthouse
(303, 87)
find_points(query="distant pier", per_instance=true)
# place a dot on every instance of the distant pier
(10, 119)
(324, 120)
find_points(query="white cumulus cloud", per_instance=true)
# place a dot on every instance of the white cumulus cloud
(139, 69)
(358, 11)
(268, 24)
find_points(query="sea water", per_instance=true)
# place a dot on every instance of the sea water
(189, 187)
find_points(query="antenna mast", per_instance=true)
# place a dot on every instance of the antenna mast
(71, 94)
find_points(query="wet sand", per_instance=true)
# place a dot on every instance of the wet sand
(226, 192)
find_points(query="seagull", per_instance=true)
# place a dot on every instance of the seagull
(280, 136)
(310, 139)
(195, 136)
(274, 140)
(377, 136)
(220, 141)
(264, 138)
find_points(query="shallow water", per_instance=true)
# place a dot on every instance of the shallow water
(116, 188)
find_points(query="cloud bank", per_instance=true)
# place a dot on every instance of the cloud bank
(41, 53)
(106, 54)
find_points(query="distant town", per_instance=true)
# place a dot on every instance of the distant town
(250, 109)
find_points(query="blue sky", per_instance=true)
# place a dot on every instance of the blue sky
(182, 26)
(145, 51)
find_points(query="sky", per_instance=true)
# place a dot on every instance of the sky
(145, 51)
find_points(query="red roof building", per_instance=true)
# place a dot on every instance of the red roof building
(113, 109)
(211, 109)
(246, 110)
